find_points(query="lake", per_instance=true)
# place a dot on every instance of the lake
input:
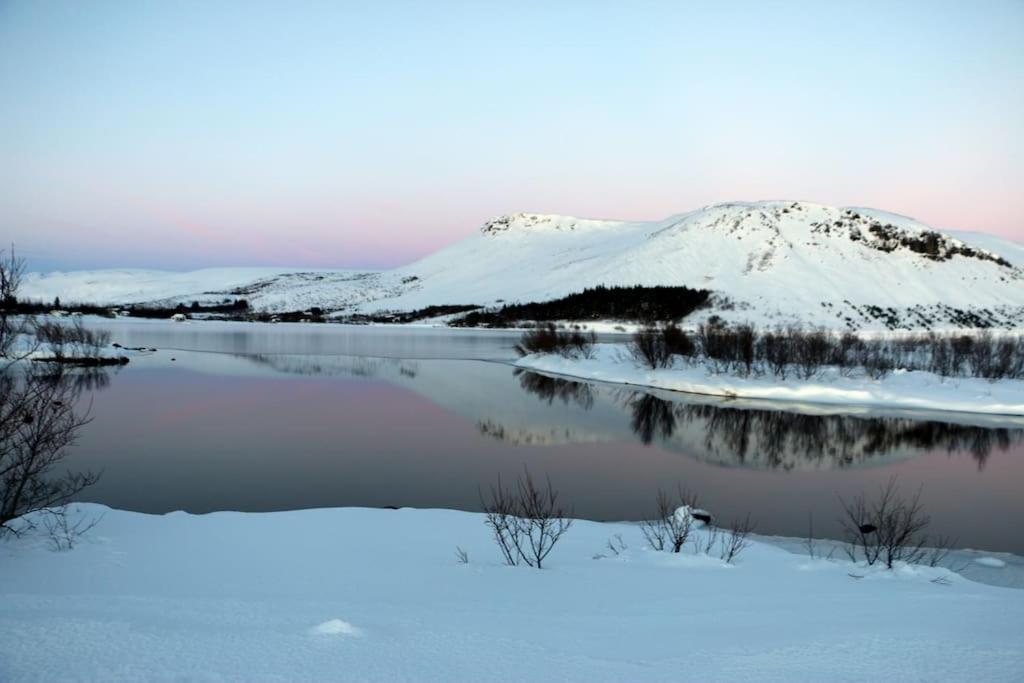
(227, 416)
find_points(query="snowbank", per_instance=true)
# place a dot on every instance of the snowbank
(358, 594)
(899, 390)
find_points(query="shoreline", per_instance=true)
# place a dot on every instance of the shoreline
(902, 390)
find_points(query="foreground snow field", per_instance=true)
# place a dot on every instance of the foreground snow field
(357, 594)
(899, 390)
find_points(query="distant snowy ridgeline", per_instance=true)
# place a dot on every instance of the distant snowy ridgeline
(765, 262)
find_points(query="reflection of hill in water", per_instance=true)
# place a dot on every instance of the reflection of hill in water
(504, 405)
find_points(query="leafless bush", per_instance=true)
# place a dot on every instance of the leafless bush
(12, 270)
(648, 347)
(809, 543)
(74, 340)
(736, 540)
(501, 510)
(671, 526)
(656, 347)
(461, 555)
(811, 352)
(38, 422)
(678, 342)
(940, 548)
(876, 362)
(845, 353)
(981, 355)
(806, 353)
(527, 521)
(548, 339)
(887, 530)
(717, 345)
(704, 544)
(54, 336)
(776, 349)
(616, 545)
(63, 529)
(941, 361)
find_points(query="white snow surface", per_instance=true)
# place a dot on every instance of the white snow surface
(767, 262)
(378, 595)
(913, 390)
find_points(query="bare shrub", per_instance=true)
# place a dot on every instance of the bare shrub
(736, 540)
(63, 529)
(501, 510)
(743, 350)
(888, 530)
(12, 271)
(960, 348)
(941, 359)
(74, 340)
(527, 520)
(704, 544)
(678, 342)
(810, 351)
(716, 344)
(845, 353)
(809, 543)
(776, 349)
(939, 550)
(616, 545)
(980, 358)
(461, 555)
(38, 423)
(876, 362)
(671, 525)
(648, 347)
(547, 339)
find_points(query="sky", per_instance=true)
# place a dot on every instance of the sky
(184, 134)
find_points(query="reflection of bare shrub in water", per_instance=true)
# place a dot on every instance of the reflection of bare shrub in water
(88, 380)
(652, 415)
(842, 440)
(38, 424)
(550, 388)
(778, 439)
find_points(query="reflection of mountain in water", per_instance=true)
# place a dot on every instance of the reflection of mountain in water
(503, 405)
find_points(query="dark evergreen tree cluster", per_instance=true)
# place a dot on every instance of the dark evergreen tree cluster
(597, 303)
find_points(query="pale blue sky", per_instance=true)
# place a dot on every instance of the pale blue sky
(187, 134)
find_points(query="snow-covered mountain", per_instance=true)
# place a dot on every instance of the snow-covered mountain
(767, 262)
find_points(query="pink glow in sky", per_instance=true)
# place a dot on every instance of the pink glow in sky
(183, 135)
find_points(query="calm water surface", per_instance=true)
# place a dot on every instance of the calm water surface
(275, 417)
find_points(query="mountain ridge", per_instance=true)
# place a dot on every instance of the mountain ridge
(770, 262)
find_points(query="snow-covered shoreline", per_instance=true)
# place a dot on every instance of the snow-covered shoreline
(900, 390)
(362, 594)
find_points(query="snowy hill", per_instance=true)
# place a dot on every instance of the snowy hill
(767, 262)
